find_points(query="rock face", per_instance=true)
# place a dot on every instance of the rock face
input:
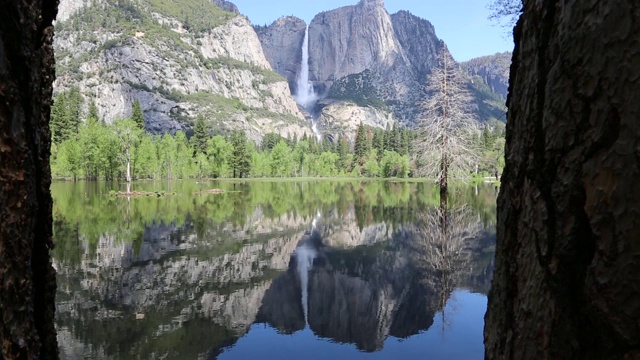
(176, 72)
(69, 7)
(227, 5)
(356, 39)
(352, 39)
(566, 283)
(493, 70)
(27, 279)
(282, 44)
(418, 39)
(343, 118)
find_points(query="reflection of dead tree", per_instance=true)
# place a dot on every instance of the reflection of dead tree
(442, 247)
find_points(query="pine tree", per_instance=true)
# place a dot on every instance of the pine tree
(200, 135)
(361, 147)
(59, 119)
(343, 153)
(74, 110)
(378, 142)
(93, 112)
(136, 114)
(240, 158)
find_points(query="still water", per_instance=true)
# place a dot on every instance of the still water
(272, 270)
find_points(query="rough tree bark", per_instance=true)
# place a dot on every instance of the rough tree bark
(27, 279)
(567, 280)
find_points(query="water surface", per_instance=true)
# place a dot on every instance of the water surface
(272, 270)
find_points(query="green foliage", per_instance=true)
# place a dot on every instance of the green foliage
(362, 144)
(225, 62)
(93, 112)
(270, 140)
(65, 115)
(136, 114)
(200, 135)
(220, 152)
(281, 160)
(371, 168)
(197, 15)
(358, 88)
(240, 157)
(111, 152)
(393, 164)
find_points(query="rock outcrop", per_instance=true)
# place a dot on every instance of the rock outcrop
(227, 5)
(493, 70)
(342, 118)
(566, 284)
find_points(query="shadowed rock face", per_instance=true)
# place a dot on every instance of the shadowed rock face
(365, 294)
(282, 44)
(354, 298)
(493, 70)
(567, 279)
(418, 39)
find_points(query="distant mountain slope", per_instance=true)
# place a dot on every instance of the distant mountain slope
(179, 58)
(493, 69)
(490, 83)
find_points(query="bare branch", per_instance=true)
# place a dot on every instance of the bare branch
(505, 12)
(444, 146)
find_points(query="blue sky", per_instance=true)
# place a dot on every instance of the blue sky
(462, 24)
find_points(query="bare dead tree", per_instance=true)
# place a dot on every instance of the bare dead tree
(444, 146)
(442, 247)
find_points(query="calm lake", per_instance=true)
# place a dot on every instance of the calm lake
(272, 270)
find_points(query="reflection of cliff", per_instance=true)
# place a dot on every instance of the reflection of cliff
(174, 285)
(393, 287)
(201, 281)
(360, 295)
(189, 290)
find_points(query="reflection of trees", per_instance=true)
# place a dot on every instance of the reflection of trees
(443, 246)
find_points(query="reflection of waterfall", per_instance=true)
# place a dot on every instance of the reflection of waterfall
(304, 257)
(305, 94)
(305, 254)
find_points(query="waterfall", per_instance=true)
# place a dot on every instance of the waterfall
(305, 94)
(304, 256)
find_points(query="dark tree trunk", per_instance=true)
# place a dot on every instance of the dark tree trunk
(567, 280)
(27, 279)
(444, 176)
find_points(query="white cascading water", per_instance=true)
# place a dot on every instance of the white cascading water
(305, 94)
(305, 254)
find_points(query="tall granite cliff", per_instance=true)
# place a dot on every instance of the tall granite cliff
(362, 57)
